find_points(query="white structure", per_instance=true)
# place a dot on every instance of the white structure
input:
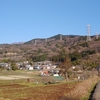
(55, 74)
(88, 33)
(79, 77)
(30, 68)
(73, 67)
(35, 42)
(97, 35)
(54, 66)
(60, 36)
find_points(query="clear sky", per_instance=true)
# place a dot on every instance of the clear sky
(23, 20)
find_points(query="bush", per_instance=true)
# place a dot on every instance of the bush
(13, 66)
(85, 44)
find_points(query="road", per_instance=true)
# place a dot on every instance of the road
(96, 94)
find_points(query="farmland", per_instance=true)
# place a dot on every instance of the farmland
(20, 88)
(21, 92)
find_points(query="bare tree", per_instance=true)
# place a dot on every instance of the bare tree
(64, 66)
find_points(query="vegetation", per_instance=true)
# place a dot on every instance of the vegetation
(88, 52)
(13, 66)
(31, 90)
(1, 68)
(64, 66)
(75, 56)
(1, 52)
(72, 50)
(39, 51)
(37, 58)
(89, 65)
(85, 44)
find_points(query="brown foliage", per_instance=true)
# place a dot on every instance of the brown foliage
(65, 66)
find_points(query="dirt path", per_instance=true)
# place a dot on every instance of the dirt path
(11, 77)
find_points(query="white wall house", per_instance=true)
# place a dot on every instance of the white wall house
(30, 68)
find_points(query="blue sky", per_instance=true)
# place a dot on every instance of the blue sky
(23, 20)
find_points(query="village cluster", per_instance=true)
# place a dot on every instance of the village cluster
(46, 68)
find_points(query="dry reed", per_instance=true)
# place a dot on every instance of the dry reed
(81, 89)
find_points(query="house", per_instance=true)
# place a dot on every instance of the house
(4, 64)
(37, 67)
(44, 73)
(54, 66)
(55, 74)
(30, 68)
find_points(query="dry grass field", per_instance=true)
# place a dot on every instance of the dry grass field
(21, 89)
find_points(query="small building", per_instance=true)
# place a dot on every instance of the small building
(55, 74)
(30, 68)
(44, 73)
(37, 67)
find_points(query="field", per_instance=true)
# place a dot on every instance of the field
(22, 76)
(21, 92)
(22, 85)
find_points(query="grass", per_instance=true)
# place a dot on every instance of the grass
(31, 84)
(91, 88)
(34, 77)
